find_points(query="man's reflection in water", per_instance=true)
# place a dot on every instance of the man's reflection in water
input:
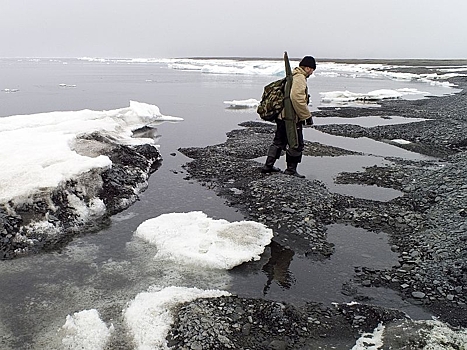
(277, 268)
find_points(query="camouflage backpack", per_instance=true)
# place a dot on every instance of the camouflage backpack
(272, 101)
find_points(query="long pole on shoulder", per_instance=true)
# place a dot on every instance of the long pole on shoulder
(289, 115)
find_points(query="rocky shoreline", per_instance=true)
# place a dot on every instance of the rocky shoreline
(427, 225)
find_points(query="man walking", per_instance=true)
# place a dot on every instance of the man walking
(300, 114)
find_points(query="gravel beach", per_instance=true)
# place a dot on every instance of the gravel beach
(427, 227)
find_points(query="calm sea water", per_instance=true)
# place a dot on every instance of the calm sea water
(106, 270)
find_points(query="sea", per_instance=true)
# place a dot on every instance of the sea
(107, 270)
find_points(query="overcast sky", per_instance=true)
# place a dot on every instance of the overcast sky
(245, 28)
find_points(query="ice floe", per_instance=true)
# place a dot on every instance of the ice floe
(371, 96)
(250, 103)
(38, 151)
(185, 239)
(195, 239)
(401, 141)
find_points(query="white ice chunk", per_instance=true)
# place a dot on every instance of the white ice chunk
(150, 315)
(347, 96)
(36, 151)
(401, 141)
(10, 90)
(250, 103)
(85, 331)
(442, 336)
(370, 341)
(194, 239)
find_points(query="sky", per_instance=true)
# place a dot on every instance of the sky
(235, 28)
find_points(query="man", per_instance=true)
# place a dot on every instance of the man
(301, 114)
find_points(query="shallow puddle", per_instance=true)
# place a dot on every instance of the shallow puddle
(373, 153)
(326, 169)
(284, 276)
(367, 122)
(363, 145)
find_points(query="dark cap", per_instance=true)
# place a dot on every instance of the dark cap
(308, 61)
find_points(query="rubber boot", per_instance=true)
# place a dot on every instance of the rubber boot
(269, 167)
(292, 170)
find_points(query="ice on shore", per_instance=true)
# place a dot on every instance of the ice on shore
(85, 330)
(371, 96)
(37, 152)
(150, 315)
(194, 239)
(250, 103)
(184, 239)
(370, 341)
(401, 141)
(425, 334)
(9, 91)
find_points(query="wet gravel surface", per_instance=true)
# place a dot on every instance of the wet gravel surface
(427, 227)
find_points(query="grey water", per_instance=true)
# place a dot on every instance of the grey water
(107, 269)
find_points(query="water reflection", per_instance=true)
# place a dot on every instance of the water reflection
(277, 267)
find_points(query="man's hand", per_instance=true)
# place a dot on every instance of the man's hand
(309, 121)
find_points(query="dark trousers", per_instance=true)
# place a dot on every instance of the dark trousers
(280, 143)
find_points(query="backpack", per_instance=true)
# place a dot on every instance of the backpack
(272, 100)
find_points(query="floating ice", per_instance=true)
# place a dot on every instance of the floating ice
(85, 331)
(276, 68)
(250, 103)
(38, 151)
(67, 85)
(370, 341)
(227, 66)
(347, 96)
(401, 141)
(150, 315)
(194, 239)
